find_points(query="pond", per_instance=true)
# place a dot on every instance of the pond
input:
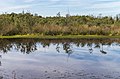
(60, 59)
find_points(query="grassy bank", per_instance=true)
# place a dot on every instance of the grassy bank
(58, 37)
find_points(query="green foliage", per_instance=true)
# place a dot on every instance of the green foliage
(27, 23)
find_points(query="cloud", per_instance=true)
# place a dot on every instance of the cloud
(12, 8)
(105, 5)
(28, 1)
(52, 6)
(55, 0)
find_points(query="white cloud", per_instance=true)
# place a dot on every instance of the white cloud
(28, 1)
(76, 6)
(6, 8)
(106, 5)
(55, 0)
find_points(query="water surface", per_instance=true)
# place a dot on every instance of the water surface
(60, 59)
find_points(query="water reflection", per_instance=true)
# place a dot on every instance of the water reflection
(90, 47)
(43, 59)
(27, 46)
(0, 60)
(58, 48)
(102, 51)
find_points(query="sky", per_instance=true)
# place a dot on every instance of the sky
(52, 7)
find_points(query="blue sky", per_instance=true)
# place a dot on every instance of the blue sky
(51, 7)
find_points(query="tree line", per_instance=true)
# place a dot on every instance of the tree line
(27, 23)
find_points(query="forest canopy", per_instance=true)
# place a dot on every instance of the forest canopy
(27, 23)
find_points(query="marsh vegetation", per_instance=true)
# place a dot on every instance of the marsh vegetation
(27, 23)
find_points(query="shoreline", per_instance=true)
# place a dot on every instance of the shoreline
(57, 36)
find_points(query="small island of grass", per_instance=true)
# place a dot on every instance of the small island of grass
(58, 36)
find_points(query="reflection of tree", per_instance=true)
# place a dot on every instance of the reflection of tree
(83, 44)
(45, 44)
(68, 50)
(26, 47)
(58, 48)
(102, 51)
(0, 61)
(5, 46)
(90, 47)
(97, 46)
(30, 45)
